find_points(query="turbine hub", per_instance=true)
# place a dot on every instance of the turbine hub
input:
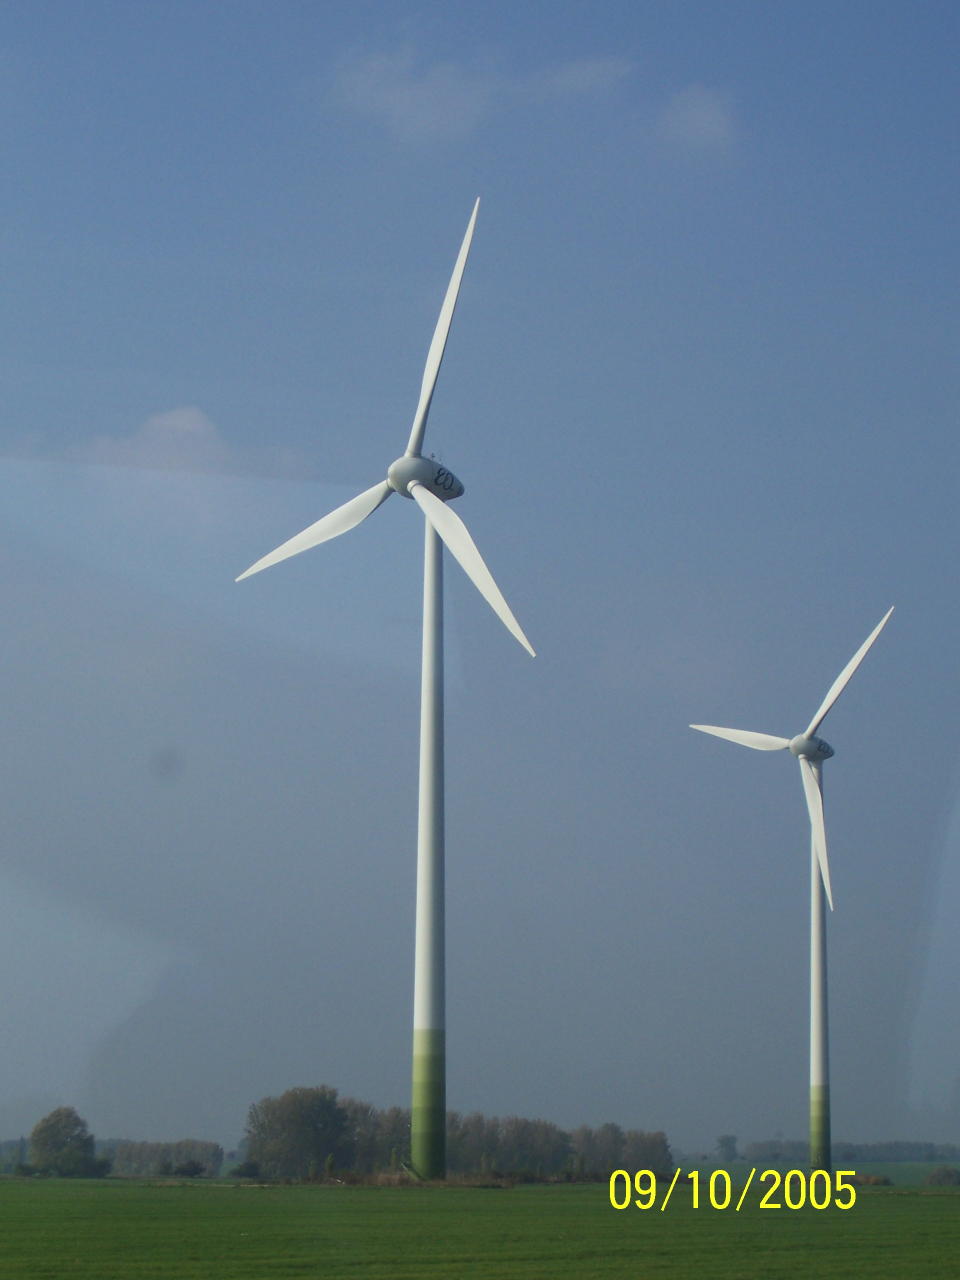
(811, 748)
(426, 471)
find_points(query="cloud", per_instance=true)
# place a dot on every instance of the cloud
(698, 119)
(416, 104)
(443, 100)
(179, 440)
(185, 439)
(582, 75)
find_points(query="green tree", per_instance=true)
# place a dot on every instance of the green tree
(298, 1134)
(362, 1130)
(532, 1148)
(62, 1144)
(394, 1130)
(598, 1151)
(471, 1142)
(727, 1148)
(642, 1150)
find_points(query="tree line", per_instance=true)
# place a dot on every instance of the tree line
(188, 1158)
(795, 1153)
(61, 1145)
(313, 1133)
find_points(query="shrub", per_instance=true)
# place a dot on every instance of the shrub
(62, 1144)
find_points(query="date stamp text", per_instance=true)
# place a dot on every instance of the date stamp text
(796, 1189)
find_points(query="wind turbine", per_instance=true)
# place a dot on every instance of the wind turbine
(431, 487)
(811, 751)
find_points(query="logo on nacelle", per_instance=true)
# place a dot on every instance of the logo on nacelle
(426, 471)
(811, 748)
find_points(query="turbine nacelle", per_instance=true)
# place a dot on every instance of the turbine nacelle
(410, 470)
(810, 747)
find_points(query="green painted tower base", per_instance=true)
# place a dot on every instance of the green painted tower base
(428, 1113)
(820, 1127)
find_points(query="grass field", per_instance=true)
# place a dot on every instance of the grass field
(117, 1230)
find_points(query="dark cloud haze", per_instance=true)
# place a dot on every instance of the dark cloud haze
(702, 391)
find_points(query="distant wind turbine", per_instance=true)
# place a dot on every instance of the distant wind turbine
(811, 752)
(431, 486)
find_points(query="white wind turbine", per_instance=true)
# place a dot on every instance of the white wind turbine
(431, 486)
(811, 751)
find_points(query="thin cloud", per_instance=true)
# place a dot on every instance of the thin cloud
(185, 439)
(698, 119)
(179, 440)
(424, 103)
(582, 75)
(416, 104)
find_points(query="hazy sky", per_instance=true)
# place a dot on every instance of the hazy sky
(702, 390)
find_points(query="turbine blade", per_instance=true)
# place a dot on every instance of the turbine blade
(456, 538)
(811, 789)
(840, 683)
(331, 526)
(435, 354)
(746, 737)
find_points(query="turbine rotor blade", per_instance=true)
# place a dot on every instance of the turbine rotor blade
(746, 737)
(331, 526)
(840, 683)
(456, 538)
(811, 789)
(435, 354)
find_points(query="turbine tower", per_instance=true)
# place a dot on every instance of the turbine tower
(431, 487)
(811, 751)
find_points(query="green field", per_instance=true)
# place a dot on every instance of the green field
(117, 1230)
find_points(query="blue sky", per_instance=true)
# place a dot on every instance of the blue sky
(702, 391)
